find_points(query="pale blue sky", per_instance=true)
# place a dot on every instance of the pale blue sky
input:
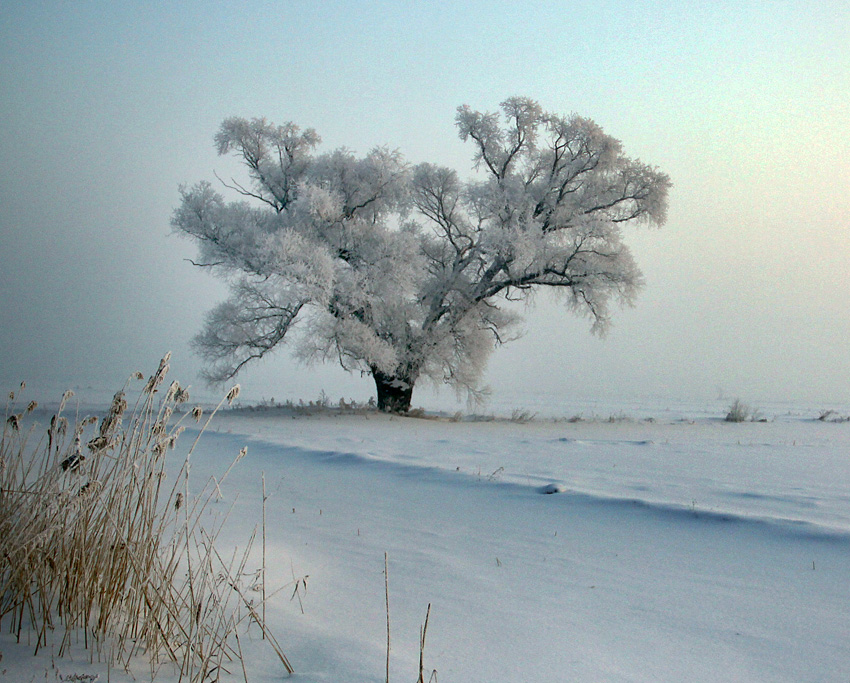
(107, 107)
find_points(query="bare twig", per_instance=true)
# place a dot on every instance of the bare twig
(423, 632)
(264, 553)
(387, 594)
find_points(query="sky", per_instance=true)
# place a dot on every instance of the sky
(108, 107)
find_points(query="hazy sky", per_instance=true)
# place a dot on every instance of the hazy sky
(107, 107)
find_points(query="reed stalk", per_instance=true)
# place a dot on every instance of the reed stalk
(96, 548)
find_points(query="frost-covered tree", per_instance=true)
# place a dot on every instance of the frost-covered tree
(403, 272)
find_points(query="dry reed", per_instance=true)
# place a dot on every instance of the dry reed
(95, 545)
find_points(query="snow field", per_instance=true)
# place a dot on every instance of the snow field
(673, 551)
(677, 551)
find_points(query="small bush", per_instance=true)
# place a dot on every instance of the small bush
(522, 416)
(832, 416)
(741, 412)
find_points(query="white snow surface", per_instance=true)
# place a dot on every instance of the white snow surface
(669, 550)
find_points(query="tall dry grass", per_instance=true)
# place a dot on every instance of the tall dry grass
(101, 546)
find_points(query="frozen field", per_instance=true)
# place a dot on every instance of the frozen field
(679, 549)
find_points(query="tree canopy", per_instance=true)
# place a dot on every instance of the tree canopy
(403, 271)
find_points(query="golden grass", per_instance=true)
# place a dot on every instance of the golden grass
(100, 545)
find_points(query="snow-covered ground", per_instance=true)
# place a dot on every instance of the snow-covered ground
(679, 549)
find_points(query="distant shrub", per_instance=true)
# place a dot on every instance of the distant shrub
(741, 412)
(832, 416)
(522, 416)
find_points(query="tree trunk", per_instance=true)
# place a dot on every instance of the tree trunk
(394, 393)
